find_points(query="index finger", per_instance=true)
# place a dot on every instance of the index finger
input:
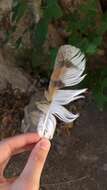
(11, 145)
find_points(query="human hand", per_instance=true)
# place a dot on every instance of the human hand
(30, 176)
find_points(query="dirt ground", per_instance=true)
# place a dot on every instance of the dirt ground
(77, 161)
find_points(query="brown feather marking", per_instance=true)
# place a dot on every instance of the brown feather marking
(55, 82)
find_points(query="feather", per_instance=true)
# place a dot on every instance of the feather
(69, 66)
(68, 70)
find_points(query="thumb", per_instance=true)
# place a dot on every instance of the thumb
(34, 166)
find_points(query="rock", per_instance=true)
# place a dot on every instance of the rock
(32, 114)
(5, 5)
(9, 73)
(105, 167)
(30, 121)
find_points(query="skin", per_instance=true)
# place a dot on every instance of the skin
(30, 176)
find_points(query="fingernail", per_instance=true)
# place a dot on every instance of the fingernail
(45, 144)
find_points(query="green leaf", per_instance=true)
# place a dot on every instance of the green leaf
(99, 99)
(53, 10)
(41, 31)
(98, 91)
(75, 39)
(91, 49)
(53, 54)
(104, 86)
(19, 8)
(103, 26)
(89, 6)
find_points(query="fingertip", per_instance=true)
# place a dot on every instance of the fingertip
(44, 144)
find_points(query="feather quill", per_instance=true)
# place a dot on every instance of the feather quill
(68, 70)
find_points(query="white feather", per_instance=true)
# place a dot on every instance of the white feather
(46, 130)
(71, 77)
(72, 81)
(63, 114)
(73, 55)
(64, 97)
